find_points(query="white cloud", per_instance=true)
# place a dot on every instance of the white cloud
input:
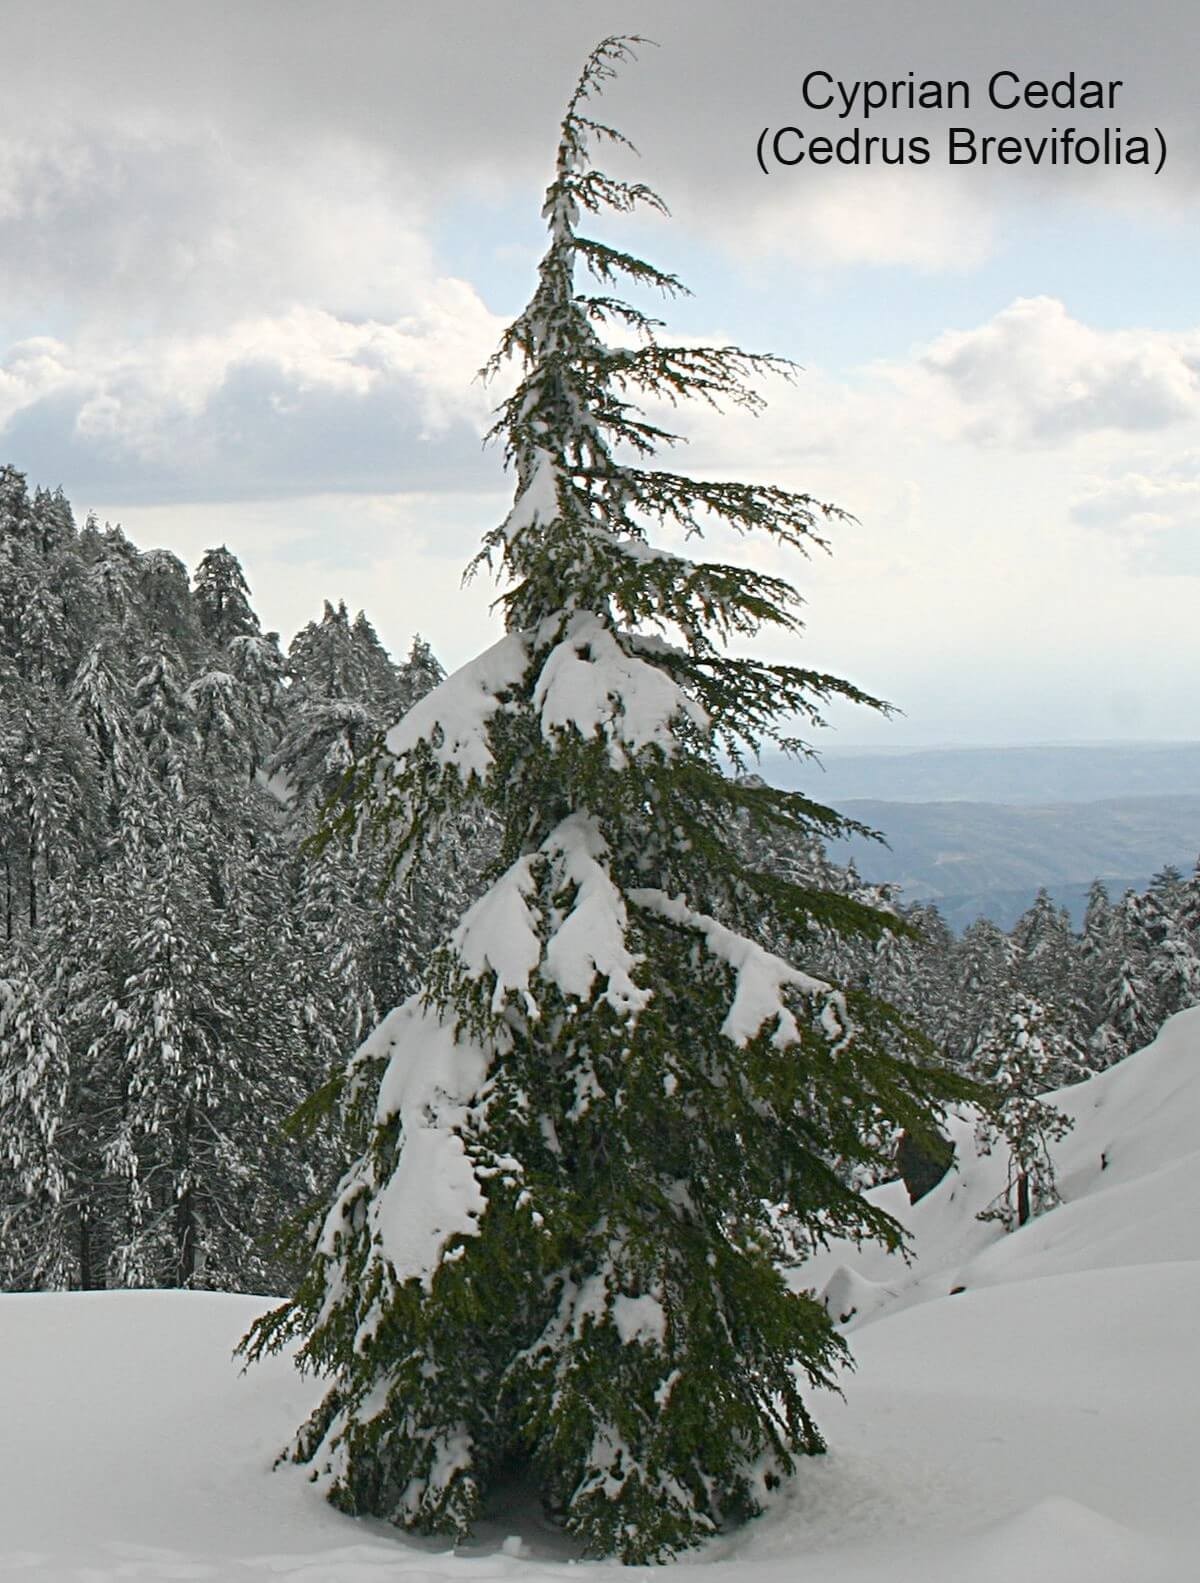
(974, 590)
(254, 154)
(1139, 501)
(1035, 375)
(345, 403)
(1154, 515)
(169, 223)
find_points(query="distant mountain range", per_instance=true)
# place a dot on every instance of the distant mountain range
(979, 830)
(1040, 774)
(990, 859)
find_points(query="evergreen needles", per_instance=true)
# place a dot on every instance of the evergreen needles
(617, 1104)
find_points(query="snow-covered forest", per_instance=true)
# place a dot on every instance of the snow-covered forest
(179, 975)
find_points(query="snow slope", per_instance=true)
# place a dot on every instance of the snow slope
(1042, 1423)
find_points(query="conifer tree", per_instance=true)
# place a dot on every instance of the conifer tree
(1172, 968)
(982, 972)
(257, 663)
(324, 660)
(167, 1034)
(1048, 968)
(222, 598)
(90, 945)
(165, 609)
(1096, 947)
(345, 689)
(1189, 906)
(148, 885)
(162, 719)
(1129, 1012)
(419, 674)
(1019, 1055)
(34, 1237)
(555, 1246)
(100, 703)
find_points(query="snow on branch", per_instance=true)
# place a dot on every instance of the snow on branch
(454, 717)
(432, 1194)
(761, 978)
(537, 503)
(589, 683)
(590, 939)
(507, 934)
(499, 934)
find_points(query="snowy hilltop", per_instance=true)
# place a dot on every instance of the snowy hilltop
(1024, 1406)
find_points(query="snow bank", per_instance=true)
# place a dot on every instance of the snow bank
(1128, 1171)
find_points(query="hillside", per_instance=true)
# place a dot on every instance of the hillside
(1041, 1422)
(990, 859)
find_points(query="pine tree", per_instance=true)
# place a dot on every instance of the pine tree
(167, 1033)
(99, 699)
(1129, 1010)
(982, 970)
(222, 598)
(259, 667)
(556, 1246)
(323, 658)
(148, 884)
(90, 945)
(1096, 945)
(166, 613)
(344, 690)
(34, 1238)
(43, 807)
(223, 724)
(1018, 1055)
(162, 719)
(1172, 960)
(1189, 906)
(420, 673)
(1048, 968)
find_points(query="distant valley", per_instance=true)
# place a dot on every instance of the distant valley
(979, 830)
(989, 859)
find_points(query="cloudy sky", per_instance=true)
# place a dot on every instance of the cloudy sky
(251, 256)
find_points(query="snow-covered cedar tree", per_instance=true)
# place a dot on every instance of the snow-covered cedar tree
(33, 1183)
(1019, 1055)
(610, 1108)
(222, 598)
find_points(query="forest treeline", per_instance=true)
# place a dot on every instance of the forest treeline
(177, 971)
(182, 968)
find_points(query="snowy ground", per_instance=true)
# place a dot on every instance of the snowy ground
(1041, 1424)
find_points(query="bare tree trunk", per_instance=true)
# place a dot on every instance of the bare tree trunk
(87, 1278)
(185, 1214)
(33, 910)
(185, 1238)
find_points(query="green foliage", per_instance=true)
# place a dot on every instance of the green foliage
(612, 1112)
(1016, 1054)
